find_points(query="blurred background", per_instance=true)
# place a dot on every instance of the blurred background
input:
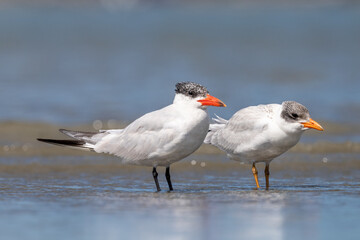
(69, 62)
(93, 64)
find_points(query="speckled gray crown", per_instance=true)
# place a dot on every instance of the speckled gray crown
(191, 89)
(294, 111)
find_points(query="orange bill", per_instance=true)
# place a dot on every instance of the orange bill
(312, 124)
(212, 101)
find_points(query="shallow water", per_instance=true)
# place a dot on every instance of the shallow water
(57, 193)
(91, 200)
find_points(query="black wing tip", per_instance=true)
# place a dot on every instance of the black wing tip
(43, 139)
(62, 142)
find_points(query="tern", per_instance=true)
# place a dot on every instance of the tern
(260, 133)
(158, 138)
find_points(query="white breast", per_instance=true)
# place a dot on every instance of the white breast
(254, 134)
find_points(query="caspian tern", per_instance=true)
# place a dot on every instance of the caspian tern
(261, 133)
(158, 138)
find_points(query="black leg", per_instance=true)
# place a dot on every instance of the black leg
(267, 174)
(167, 175)
(155, 175)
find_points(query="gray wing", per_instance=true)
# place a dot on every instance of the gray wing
(148, 136)
(243, 129)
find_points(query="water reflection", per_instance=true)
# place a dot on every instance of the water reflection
(96, 206)
(180, 215)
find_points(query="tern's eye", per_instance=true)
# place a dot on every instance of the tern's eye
(294, 115)
(191, 93)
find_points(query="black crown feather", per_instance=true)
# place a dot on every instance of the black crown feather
(191, 89)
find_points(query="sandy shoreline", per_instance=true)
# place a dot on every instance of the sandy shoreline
(19, 139)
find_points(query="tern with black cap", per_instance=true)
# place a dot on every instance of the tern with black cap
(158, 138)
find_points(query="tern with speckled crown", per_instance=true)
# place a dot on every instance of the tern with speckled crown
(158, 138)
(261, 133)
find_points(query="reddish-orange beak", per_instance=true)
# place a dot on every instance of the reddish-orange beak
(312, 124)
(211, 101)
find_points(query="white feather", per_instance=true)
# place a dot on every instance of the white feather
(253, 134)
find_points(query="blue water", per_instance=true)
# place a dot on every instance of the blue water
(203, 206)
(78, 65)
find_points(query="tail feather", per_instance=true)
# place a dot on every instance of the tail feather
(218, 124)
(83, 140)
(78, 144)
(219, 120)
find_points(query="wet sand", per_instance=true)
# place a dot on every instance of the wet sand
(19, 139)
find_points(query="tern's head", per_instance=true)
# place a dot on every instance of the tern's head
(297, 117)
(196, 94)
